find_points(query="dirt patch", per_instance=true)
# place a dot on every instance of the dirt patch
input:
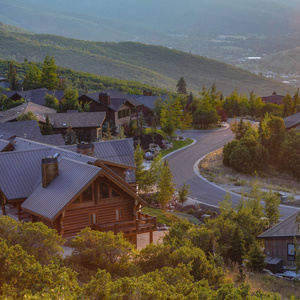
(212, 168)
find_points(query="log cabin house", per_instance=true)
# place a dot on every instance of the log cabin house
(69, 191)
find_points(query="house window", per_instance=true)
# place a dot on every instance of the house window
(119, 213)
(93, 218)
(87, 195)
(123, 113)
(104, 190)
(291, 252)
(115, 193)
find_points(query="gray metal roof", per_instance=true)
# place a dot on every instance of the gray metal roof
(77, 120)
(3, 144)
(24, 144)
(292, 120)
(287, 228)
(73, 177)
(19, 171)
(119, 151)
(148, 101)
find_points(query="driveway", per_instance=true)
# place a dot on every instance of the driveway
(182, 166)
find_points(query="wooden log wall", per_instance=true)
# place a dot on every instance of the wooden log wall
(78, 217)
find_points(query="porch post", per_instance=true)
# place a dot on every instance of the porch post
(151, 237)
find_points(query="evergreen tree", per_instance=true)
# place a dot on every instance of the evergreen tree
(70, 137)
(32, 77)
(70, 100)
(108, 132)
(49, 76)
(51, 101)
(256, 258)
(13, 77)
(183, 192)
(141, 175)
(237, 245)
(181, 86)
(47, 128)
(166, 186)
(272, 211)
(121, 134)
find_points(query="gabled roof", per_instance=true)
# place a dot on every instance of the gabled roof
(292, 120)
(37, 95)
(274, 98)
(73, 177)
(3, 144)
(77, 119)
(148, 101)
(285, 229)
(116, 99)
(19, 172)
(29, 130)
(13, 113)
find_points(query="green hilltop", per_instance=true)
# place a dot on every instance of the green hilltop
(154, 65)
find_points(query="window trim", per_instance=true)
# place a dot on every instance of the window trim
(291, 257)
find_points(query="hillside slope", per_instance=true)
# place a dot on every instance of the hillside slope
(154, 65)
(286, 62)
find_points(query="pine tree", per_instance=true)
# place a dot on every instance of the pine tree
(47, 128)
(49, 76)
(108, 133)
(272, 211)
(256, 258)
(71, 137)
(140, 171)
(181, 86)
(121, 134)
(12, 77)
(237, 245)
(183, 192)
(166, 186)
(32, 77)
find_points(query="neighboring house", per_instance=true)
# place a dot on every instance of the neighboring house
(69, 191)
(36, 96)
(4, 84)
(13, 113)
(29, 130)
(119, 108)
(280, 240)
(292, 121)
(274, 98)
(86, 125)
(148, 101)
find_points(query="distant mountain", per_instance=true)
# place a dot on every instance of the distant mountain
(286, 62)
(117, 20)
(154, 65)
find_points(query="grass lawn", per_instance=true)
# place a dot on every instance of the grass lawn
(177, 145)
(169, 217)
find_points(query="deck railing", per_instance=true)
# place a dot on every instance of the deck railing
(143, 223)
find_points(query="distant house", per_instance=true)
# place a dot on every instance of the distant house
(87, 125)
(119, 108)
(292, 121)
(36, 96)
(280, 240)
(28, 130)
(147, 101)
(69, 191)
(274, 98)
(39, 111)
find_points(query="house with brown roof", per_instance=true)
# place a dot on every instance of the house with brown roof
(120, 108)
(69, 191)
(274, 98)
(280, 240)
(39, 111)
(86, 125)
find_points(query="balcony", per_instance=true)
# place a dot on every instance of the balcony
(144, 223)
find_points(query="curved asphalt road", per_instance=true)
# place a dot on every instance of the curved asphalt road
(182, 166)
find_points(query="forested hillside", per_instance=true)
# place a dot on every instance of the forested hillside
(154, 65)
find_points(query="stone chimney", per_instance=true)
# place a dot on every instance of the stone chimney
(104, 98)
(274, 93)
(49, 170)
(86, 149)
(147, 93)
